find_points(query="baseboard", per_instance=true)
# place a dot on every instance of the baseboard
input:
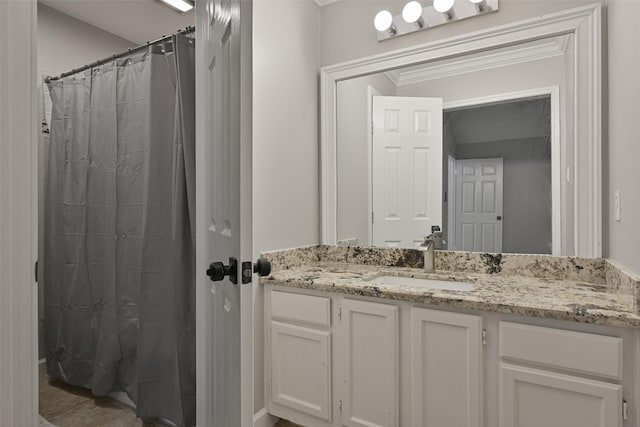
(263, 419)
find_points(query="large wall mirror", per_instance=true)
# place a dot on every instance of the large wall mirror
(494, 137)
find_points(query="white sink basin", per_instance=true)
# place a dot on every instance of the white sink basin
(424, 283)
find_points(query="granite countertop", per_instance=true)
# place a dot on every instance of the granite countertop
(564, 297)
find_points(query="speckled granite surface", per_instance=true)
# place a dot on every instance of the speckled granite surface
(583, 290)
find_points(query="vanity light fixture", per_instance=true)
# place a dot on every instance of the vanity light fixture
(384, 22)
(181, 6)
(414, 17)
(412, 13)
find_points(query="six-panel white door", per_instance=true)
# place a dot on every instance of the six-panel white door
(406, 169)
(532, 397)
(446, 369)
(223, 212)
(479, 196)
(369, 364)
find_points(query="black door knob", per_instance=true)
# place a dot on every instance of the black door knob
(218, 270)
(262, 267)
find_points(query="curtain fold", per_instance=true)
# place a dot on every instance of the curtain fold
(119, 268)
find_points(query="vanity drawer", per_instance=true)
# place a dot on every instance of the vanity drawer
(571, 351)
(306, 309)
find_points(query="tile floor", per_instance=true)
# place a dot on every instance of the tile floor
(69, 406)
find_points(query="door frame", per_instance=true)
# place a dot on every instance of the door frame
(18, 217)
(451, 202)
(371, 92)
(584, 23)
(19, 303)
(558, 164)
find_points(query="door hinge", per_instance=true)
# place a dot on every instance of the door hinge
(340, 314)
(36, 271)
(340, 405)
(484, 337)
(625, 410)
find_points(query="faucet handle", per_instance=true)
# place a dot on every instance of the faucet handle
(435, 228)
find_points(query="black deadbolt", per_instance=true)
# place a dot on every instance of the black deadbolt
(262, 267)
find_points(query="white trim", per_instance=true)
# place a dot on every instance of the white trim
(18, 215)
(535, 51)
(452, 165)
(584, 22)
(371, 92)
(263, 419)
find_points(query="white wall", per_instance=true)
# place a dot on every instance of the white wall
(347, 26)
(65, 42)
(285, 139)
(352, 139)
(347, 33)
(624, 132)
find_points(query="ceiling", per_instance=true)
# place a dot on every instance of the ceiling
(138, 21)
(501, 121)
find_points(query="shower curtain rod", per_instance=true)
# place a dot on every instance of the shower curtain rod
(186, 30)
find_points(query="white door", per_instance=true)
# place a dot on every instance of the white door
(369, 365)
(532, 397)
(446, 369)
(479, 205)
(406, 169)
(223, 212)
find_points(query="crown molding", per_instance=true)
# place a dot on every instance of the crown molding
(543, 49)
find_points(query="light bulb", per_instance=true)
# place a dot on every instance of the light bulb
(383, 20)
(479, 4)
(412, 12)
(443, 6)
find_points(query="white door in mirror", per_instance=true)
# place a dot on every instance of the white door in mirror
(479, 194)
(406, 169)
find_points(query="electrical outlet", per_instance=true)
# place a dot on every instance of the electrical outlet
(617, 206)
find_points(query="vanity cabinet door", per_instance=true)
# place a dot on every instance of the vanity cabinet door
(446, 369)
(369, 358)
(532, 398)
(300, 371)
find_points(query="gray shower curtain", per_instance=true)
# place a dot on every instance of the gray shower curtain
(119, 261)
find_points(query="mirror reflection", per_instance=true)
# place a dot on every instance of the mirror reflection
(470, 146)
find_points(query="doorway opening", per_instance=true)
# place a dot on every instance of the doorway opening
(116, 213)
(501, 199)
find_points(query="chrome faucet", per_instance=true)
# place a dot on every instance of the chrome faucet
(430, 242)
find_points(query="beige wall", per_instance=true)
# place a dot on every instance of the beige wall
(346, 33)
(285, 139)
